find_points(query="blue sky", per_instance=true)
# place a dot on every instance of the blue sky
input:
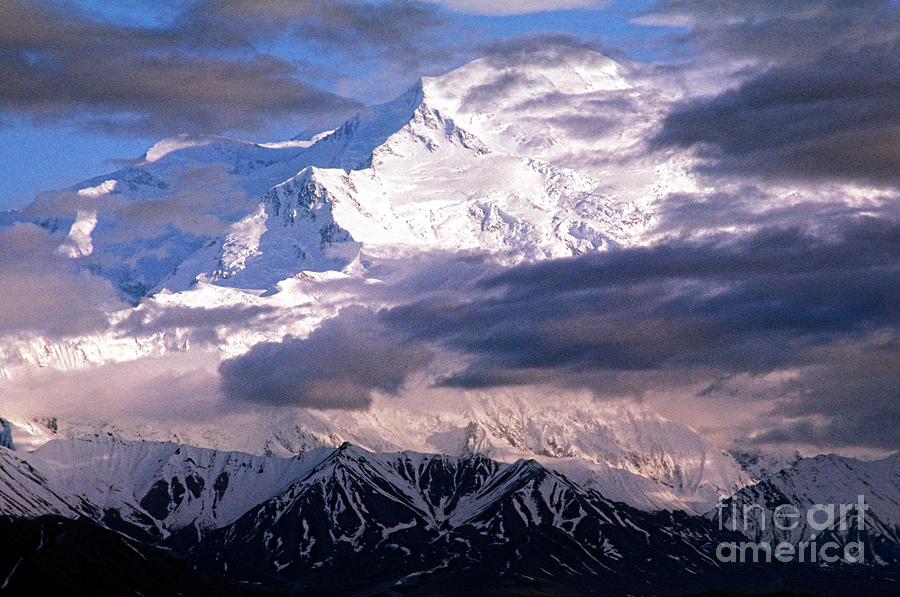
(46, 147)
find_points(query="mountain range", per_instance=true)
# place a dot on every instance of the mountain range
(404, 522)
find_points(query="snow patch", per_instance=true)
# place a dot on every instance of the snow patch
(79, 243)
(103, 188)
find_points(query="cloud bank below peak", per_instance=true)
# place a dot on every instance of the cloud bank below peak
(801, 328)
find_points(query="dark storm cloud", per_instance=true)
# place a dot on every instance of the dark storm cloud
(820, 94)
(755, 206)
(633, 320)
(862, 243)
(337, 366)
(848, 396)
(200, 72)
(835, 117)
(384, 23)
(778, 30)
(393, 29)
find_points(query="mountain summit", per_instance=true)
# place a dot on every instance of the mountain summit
(481, 158)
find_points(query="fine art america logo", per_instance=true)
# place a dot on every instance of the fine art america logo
(819, 518)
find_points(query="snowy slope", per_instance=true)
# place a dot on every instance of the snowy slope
(827, 480)
(25, 492)
(406, 514)
(153, 490)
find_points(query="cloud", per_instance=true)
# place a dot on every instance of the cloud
(682, 316)
(812, 92)
(199, 200)
(776, 30)
(545, 49)
(394, 29)
(204, 325)
(845, 396)
(41, 292)
(228, 65)
(796, 327)
(754, 206)
(516, 7)
(837, 117)
(177, 386)
(198, 72)
(337, 366)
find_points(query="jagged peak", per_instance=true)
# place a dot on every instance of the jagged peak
(344, 453)
(352, 145)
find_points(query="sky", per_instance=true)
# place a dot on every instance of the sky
(770, 292)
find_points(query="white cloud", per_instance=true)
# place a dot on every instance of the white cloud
(515, 7)
(43, 292)
(173, 387)
(665, 20)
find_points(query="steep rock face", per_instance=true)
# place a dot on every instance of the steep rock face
(5, 434)
(293, 230)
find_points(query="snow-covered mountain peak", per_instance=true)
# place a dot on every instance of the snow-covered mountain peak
(503, 81)
(551, 104)
(474, 159)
